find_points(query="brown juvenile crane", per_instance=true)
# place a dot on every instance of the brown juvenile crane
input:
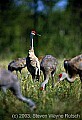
(9, 81)
(32, 62)
(73, 67)
(17, 65)
(48, 66)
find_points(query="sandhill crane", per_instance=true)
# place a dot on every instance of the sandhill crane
(48, 66)
(73, 67)
(32, 61)
(17, 65)
(9, 81)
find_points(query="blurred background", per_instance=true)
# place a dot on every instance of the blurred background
(58, 21)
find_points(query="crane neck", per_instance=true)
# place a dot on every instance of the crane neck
(31, 41)
(70, 79)
(44, 83)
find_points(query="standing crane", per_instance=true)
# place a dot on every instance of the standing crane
(9, 81)
(48, 66)
(73, 67)
(17, 65)
(32, 61)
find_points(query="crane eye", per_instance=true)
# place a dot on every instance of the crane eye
(33, 32)
(60, 75)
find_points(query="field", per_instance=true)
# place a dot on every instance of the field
(64, 101)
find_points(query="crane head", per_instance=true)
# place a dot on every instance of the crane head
(33, 32)
(62, 76)
(41, 88)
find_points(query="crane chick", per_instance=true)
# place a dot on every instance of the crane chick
(9, 81)
(17, 65)
(48, 66)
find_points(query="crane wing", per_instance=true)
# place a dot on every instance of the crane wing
(77, 62)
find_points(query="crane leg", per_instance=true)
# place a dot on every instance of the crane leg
(46, 78)
(52, 75)
(80, 75)
(36, 71)
(37, 74)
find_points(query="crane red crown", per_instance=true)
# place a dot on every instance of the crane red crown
(33, 31)
(60, 75)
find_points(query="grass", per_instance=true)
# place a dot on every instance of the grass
(62, 102)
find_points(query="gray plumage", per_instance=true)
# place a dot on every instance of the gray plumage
(74, 66)
(9, 81)
(17, 65)
(48, 66)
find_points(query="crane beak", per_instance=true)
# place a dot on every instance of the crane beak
(38, 34)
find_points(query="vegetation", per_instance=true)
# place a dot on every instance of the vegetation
(60, 29)
(64, 99)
